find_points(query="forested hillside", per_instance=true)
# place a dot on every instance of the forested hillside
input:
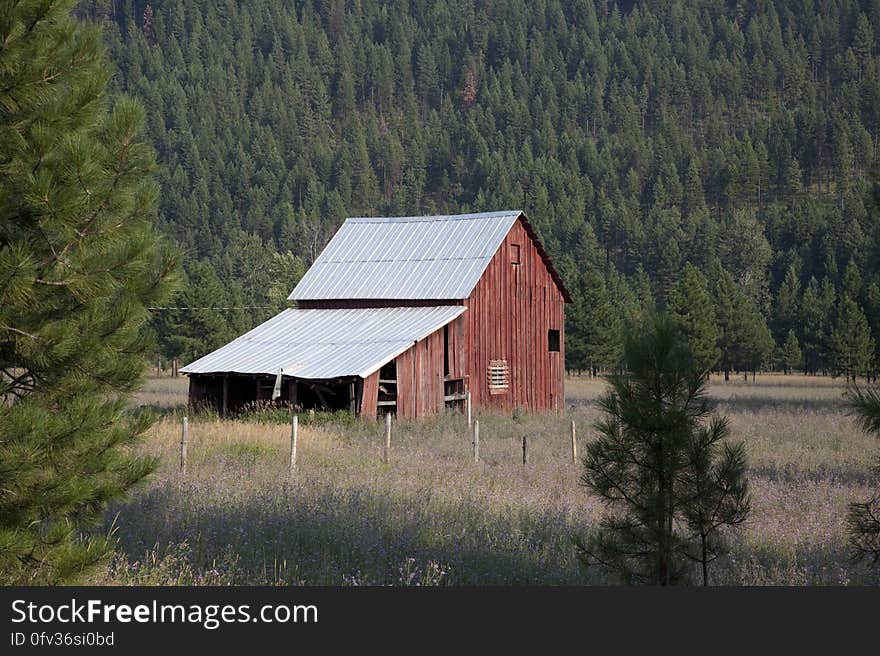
(711, 157)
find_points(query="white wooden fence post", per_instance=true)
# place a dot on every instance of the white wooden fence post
(294, 430)
(476, 440)
(574, 445)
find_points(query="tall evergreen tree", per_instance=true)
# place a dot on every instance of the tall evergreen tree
(790, 355)
(758, 344)
(872, 310)
(79, 265)
(864, 517)
(731, 313)
(745, 253)
(851, 343)
(852, 281)
(785, 306)
(813, 322)
(202, 317)
(691, 308)
(601, 328)
(662, 465)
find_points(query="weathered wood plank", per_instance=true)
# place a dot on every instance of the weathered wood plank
(369, 396)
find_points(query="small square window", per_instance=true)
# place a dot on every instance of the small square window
(499, 376)
(514, 254)
(553, 341)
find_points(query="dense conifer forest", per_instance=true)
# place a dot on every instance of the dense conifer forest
(712, 158)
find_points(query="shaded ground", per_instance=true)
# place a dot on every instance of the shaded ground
(434, 516)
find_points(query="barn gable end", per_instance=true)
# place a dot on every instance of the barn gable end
(510, 313)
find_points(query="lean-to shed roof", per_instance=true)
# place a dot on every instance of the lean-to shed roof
(325, 344)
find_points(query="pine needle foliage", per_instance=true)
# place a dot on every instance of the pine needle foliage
(79, 266)
(662, 465)
(863, 519)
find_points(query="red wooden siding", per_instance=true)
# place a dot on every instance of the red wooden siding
(509, 314)
(420, 378)
(369, 396)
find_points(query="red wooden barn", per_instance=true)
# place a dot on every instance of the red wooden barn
(407, 315)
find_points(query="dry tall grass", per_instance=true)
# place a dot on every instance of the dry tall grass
(433, 516)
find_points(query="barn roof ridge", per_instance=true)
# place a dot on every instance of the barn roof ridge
(421, 260)
(466, 216)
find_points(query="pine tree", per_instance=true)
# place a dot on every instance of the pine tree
(872, 309)
(812, 328)
(863, 41)
(851, 343)
(204, 321)
(852, 281)
(602, 327)
(731, 314)
(793, 178)
(827, 303)
(785, 307)
(745, 253)
(577, 317)
(662, 465)
(79, 266)
(790, 356)
(757, 345)
(691, 308)
(863, 519)
(665, 256)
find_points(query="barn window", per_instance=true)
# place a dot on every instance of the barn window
(499, 376)
(553, 341)
(514, 254)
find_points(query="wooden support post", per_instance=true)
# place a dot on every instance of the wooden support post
(183, 439)
(294, 430)
(352, 399)
(525, 450)
(293, 393)
(387, 454)
(476, 440)
(574, 444)
(468, 404)
(225, 407)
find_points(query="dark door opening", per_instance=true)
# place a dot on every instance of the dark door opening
(446, 350)
(387, 398)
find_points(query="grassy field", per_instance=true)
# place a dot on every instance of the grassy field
(435, 517)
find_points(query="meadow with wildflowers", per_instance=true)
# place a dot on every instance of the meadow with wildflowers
(434, 517)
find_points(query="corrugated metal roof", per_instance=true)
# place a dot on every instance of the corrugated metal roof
(323, 344)
(406, 258)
